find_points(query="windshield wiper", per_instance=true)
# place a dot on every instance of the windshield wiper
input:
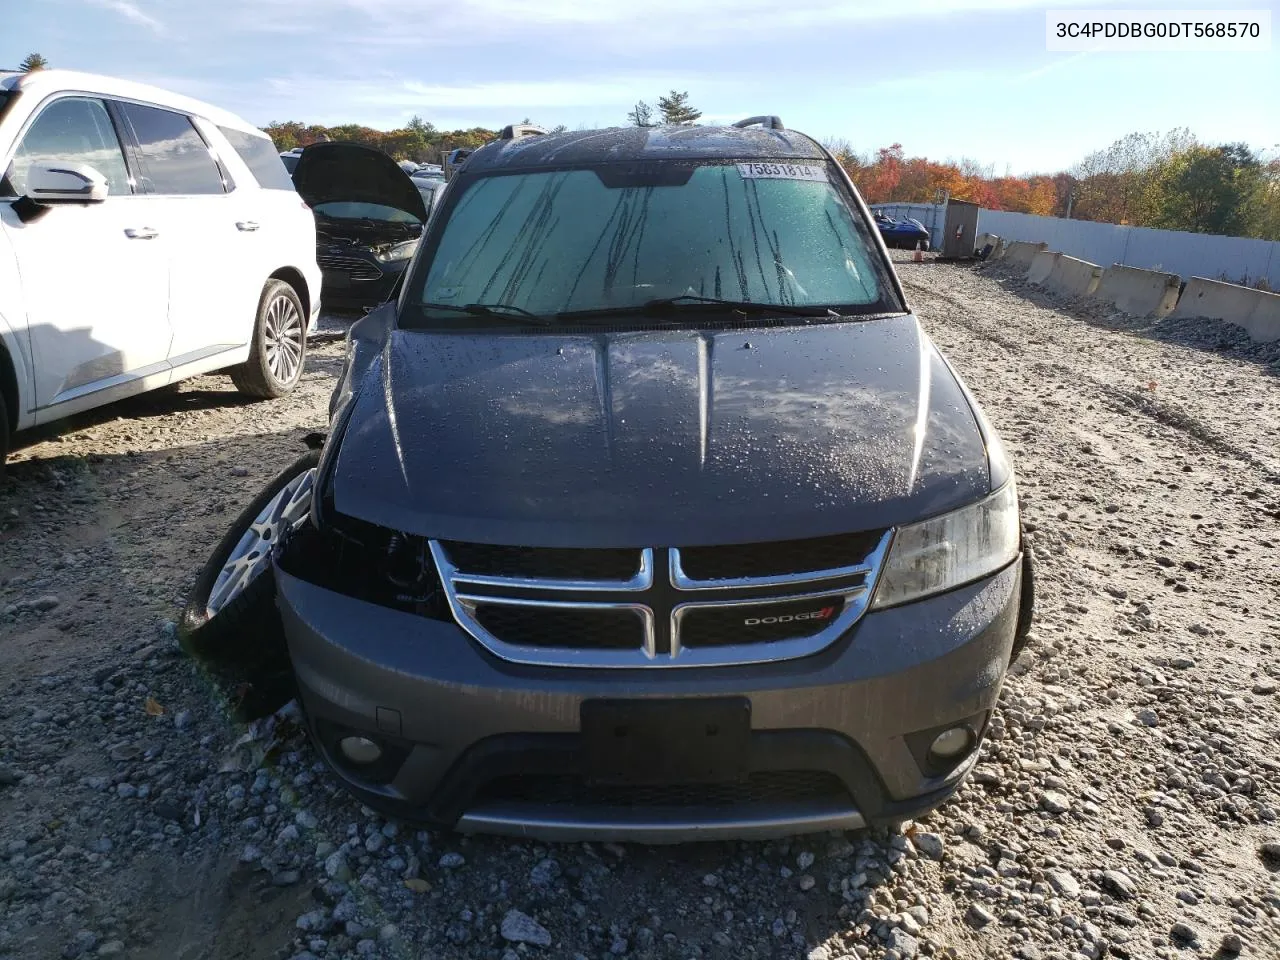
(506, 311)
(689, 301)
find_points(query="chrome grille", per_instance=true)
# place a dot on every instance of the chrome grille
(643, 608)
(356, 268)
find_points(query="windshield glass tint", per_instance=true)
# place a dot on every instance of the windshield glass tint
(355, 210)
(563, 241)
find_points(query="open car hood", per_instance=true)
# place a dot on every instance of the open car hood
(351, 172)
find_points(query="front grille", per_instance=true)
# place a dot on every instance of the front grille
(774, 786)
(757, 623)
(542, 563)
(655, 607)
(590, 629)
(778, 558)
(356, 268)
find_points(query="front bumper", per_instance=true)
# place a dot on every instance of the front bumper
(460, 726)
(341, 289)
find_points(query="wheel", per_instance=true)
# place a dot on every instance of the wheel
(279, 344)
(231, 617)
(1026, 605)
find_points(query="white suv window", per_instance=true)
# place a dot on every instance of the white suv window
(70, 130)
(174, 156)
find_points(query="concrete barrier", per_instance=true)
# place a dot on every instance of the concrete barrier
(1042, 265)
(1020, 253)
(1139, 293)
(1070, 277)
(1256, 311)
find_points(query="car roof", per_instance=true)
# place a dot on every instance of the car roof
(41, 83)
(623, 144)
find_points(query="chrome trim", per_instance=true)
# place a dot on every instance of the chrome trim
(765, 651)
(660, 825)
(642, 580)
(464, 611)
(683, 581)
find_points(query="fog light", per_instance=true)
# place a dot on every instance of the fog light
(359, 749)
(952, 743)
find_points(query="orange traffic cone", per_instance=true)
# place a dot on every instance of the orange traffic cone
(917, 257)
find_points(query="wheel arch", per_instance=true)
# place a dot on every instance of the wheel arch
(294, 278)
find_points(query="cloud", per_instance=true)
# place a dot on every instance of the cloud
(130, 11)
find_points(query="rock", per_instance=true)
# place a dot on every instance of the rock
(315, 920)
(112, 948)
(1182, 663)
(1055, 802)
(373, 843)
(366, 948)
(8, 777)
(126, 790)
(336, 868)
(1118, 884)
(929, 844)
(44, 604)
(806, 882)
(250, 854)
(1264, 688)
(805, 860)
(1232, 944)
(80, 944)
(544, 872)
(1184, 932)
(1270, 852)
(182, 719)
(451, 861)
(239, 471)
(1063, 883)
(1148, 717)
(978, 916)
(907, 946)
(519, 927)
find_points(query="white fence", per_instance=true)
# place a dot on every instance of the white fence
(1234, 259)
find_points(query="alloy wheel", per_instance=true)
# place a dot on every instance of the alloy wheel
(283, 336)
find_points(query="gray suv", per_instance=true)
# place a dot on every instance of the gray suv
(649, 511)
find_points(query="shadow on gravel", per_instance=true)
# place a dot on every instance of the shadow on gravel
(1211, 336)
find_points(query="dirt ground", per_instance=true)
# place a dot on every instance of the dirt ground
(1125, 804)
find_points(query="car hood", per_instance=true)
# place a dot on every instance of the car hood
(665, 438)
(352, 172)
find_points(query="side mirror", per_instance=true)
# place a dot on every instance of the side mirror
(49, 183)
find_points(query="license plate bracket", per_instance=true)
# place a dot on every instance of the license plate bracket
(666, 741)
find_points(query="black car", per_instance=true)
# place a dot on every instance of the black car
(649, 510)
(369, 219)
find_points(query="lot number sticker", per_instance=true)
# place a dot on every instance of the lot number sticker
(782, 171)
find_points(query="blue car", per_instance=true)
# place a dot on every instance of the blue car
(903, 233)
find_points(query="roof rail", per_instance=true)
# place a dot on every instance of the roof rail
(769, 123)
(515, 131)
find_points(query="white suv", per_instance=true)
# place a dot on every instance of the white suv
(144, 238)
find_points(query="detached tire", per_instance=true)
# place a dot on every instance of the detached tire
(279, 347)
(231, 618)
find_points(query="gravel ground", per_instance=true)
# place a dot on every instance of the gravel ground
(1124, 806)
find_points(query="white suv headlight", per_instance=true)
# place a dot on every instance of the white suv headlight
(400, 251)
(951, 550)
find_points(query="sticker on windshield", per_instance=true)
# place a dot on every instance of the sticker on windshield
(446, 293)
(782, 171)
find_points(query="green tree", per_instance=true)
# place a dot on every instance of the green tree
(641, 115)
(676, 110)
(420, 127)
(1207, 189)
(33, 62)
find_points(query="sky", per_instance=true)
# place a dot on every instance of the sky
(965, 79)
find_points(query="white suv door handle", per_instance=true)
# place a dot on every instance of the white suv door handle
(248, 226)
(141, 233)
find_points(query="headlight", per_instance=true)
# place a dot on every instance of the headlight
(399, 251)
(951, 550)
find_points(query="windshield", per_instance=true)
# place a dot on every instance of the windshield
(563, 241)
(355, 210)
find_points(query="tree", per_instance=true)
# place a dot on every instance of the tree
(420, 126)
(676, 110)
(33, 62)
(558, 128)
(1208, 189)
(641, 115)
